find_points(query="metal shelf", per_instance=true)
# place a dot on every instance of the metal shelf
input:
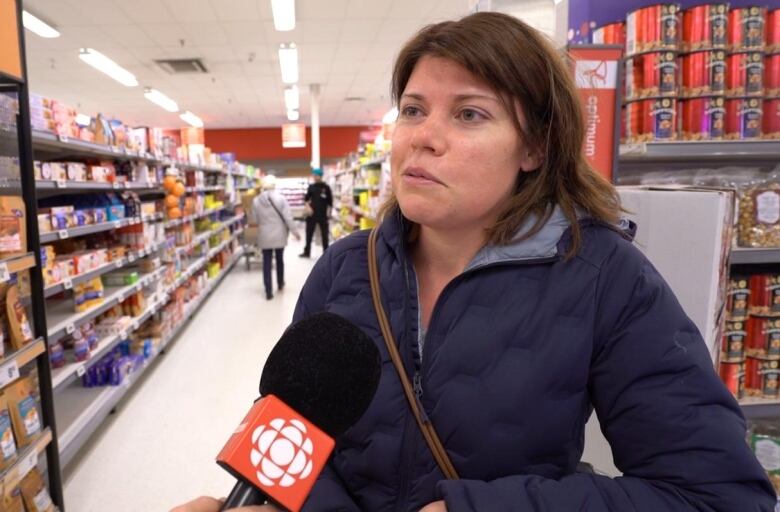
(754, 408)
(85, 408)
(10, 364)
(67, 284)
(215, 188)
(178, 222)
(63, 376)
(745, 256)
(64, 320)
(88, 230)
(14, 264)
(26, 460)
(66, 185)
(701, 151)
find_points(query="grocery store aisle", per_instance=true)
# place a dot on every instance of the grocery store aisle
(158, 449)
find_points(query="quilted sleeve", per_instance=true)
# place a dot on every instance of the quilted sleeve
(676, 433)
(329, 493)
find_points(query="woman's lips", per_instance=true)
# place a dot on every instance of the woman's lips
(419, 176)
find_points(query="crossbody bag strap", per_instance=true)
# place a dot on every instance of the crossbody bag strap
(426, 427)
(271, 200)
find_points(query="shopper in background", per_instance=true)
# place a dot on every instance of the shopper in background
(519, 305)
(319, 201)
(271, 212)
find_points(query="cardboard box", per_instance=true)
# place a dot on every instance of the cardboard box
(13, 230)
(696, 223)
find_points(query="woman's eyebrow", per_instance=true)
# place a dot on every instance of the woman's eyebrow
(457, 97)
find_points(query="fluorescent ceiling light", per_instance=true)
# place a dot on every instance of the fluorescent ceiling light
(38, 26)
(293, 115)
(83, 120)
(161, 100)
(192, 119)
(288, 60)
(292, 99)
(284, 14)
(391, 116)
(105, 65)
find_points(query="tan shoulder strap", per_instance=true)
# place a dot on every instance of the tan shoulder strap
(426, 427)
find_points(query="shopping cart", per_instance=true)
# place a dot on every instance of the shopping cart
(252, 253)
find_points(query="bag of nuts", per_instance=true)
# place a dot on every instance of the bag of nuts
(758, 218)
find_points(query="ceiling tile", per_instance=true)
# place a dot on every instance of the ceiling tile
(319, 10)
(192, 10)
(373, 9)
(239, 10)
(165, 34)
(203, 34)
(319, 31)
(146, 11)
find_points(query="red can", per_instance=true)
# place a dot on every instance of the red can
(703, 118)
(653, 119)
(652, 74)
(735, 337)
(611, 33)
(704, 73)
(761, 376)
(772, 74)
(763, 337)
(653, 28)
(738, 298)
(773, 31)
(746, 28)
(765, 294)
(705, 27)
(772, 118)
(743, 118)
(745, 74)
(733, 376)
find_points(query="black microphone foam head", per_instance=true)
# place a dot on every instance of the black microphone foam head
(325, 368)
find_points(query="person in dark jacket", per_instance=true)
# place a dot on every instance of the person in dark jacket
(319, 199)
(520, 306)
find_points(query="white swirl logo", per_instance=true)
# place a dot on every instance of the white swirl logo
(281, 452)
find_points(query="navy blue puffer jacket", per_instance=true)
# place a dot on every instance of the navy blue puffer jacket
(521, 347)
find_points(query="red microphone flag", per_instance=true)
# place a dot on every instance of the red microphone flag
(278, 451)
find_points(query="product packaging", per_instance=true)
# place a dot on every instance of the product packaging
(12, 501)
(765, 441)
(705, 26)
(24, 411)
(36, 495)
(13, 237)
(7, 440)
(20, 329)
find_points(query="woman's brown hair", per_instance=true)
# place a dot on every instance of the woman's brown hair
(524, 68)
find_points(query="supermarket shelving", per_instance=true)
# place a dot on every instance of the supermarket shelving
(18, 143)
(9, 368)
(63, 320)
(701, 151)
(90, 229)
(68, 283)
(26, 460)
(745, 256)
(754, 408)
(85, 186)
(86, 408)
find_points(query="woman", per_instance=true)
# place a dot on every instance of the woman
(271, 213)
(519, 306)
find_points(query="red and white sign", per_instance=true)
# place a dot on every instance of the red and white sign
(294, 135)
(278, 451)
(596, 72)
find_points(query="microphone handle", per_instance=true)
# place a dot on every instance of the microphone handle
(243, 494)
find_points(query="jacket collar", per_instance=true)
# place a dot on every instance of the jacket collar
(544, 245)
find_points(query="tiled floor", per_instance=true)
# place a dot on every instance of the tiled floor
(158, 449)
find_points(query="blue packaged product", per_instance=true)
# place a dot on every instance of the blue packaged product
(56, 355)
(7, 441)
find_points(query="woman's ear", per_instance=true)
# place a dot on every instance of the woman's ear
(530, 162)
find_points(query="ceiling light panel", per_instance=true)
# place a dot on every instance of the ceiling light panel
(38, 26)
(284, 14)
(105, 65)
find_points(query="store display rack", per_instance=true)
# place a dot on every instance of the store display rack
(643, 161)
(27, 459)
(18, 144)
(87, 408)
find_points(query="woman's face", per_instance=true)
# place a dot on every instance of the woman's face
(456, 152)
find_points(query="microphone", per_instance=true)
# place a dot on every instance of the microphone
(318, 381)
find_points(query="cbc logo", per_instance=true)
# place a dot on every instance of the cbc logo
(281, 453)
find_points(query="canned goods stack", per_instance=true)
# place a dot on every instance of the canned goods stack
(706, 73)
(732, 357)
(750, 357)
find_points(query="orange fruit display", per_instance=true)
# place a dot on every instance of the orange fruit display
(168, 183)
(174, 213)
(178, 189)
(171, 201)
